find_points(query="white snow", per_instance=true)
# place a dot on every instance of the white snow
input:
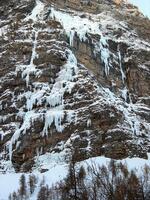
(8, 184)
(132, 163)
(71, 116)
(58, 170)
(36, 12)
(50, 178)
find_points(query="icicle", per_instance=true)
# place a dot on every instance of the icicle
(71, 38)
(34, 98)
(55, 98)
(56, 117)
(123, 76)
(88, 122)
(105, 54)
(74, 24)
(124, 93)
(82, 26)
(29, 116)
(1, 135)
(34, 54)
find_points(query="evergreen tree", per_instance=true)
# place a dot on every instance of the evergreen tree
(32, 183)
(14, 196)
(23, 187)
(43, 193)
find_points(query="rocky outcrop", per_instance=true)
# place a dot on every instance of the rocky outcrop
(72, 79)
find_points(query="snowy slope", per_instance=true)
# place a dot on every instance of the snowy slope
(58, 171)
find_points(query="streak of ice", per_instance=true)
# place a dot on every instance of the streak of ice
(36, 12)
(82, 27)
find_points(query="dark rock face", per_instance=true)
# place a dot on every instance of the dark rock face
(65, 88)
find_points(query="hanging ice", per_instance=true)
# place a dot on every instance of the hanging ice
(34, 98)
(70, 68)
(29, 117)
(72, 23)
(71, 38)
(64, 82)
(82, 26)
(55, 116)
(105, 54)
(120, 64)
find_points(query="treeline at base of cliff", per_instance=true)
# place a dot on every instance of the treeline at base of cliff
(112, 182)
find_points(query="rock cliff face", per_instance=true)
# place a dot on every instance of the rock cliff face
(74, 77)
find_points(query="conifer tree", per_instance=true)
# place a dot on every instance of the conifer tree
(43, 193)
(23, 187)
(32, 183)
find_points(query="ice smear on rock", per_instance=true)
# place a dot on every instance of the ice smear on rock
(36, 12)
(56, 117)
(123, 76)
(64, 83)
(82, 27)
(27, 70)
(31, 68)
(28, 118)
(105, 54)
(128, 109)
(53, 97)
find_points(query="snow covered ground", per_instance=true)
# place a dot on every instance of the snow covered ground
(143, 5)
(58, 170)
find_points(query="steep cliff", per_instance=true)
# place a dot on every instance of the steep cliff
(74, 78)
